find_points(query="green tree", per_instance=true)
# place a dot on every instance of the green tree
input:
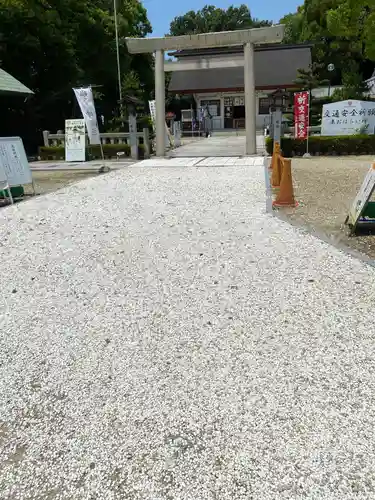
(54, 46)
(354, 20)
(309, 79)
(211, 18)
(293, 26)
(336, 38)
(353, 86)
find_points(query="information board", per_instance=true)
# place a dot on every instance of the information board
(75, 140)
(348, 118)
(14, 162)
(362, 198)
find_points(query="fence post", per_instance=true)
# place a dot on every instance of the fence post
(146, 142)
(177, 134)
(45, 137)
(133, 136)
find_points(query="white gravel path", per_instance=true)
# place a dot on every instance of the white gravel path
(163, 339)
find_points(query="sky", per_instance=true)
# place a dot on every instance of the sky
(161, 12)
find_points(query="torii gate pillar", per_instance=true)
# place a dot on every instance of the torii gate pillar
(160, 102)
(247, 38)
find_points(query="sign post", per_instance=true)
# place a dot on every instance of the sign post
(75, 140)
(275, 130)
(277, 116)
(301, 117)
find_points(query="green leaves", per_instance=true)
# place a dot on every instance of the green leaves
(52, 46)
(369, 35)
(340, 31)
(211, 18)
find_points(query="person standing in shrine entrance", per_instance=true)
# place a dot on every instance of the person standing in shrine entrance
(207, 119)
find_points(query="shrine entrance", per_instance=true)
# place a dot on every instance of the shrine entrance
(247, 38)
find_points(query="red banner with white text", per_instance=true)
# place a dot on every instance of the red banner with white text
(301, 115)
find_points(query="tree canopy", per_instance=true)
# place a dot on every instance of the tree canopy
(211, 18)
(341, 33)
(54, 46)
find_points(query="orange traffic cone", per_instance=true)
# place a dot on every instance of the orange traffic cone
(276, 170)
(275, 154)
(285, 197)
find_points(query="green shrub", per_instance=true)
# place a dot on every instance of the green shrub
(326, 145)
(92, 152)
(119, 124)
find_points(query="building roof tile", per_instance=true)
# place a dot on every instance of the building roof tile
(10, 85)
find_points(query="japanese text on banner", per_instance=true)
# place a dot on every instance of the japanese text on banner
(301, 115)
(85, 100)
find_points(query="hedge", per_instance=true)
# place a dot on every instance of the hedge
(92, 152)
(326, 145)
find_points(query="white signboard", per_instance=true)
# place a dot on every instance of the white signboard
(86, 103)
(75, 143)
(168, 139)
(13, 162)
(348, 118)
(362, 197)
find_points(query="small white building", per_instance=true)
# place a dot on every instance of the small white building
(222, 89)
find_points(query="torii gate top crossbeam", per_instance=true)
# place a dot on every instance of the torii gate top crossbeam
(269, 34)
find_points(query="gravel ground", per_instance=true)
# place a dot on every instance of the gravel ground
(325, 189)
(48, 182)
(163, 338)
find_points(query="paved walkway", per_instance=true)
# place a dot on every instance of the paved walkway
(85, 165)
(210, 161)
(163, 338)
(217, 145)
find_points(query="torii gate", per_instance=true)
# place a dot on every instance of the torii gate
(247, 38)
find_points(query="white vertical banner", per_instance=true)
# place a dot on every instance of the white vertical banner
(168, 138)
(151, 105)
(85, 100)
(75, 140)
